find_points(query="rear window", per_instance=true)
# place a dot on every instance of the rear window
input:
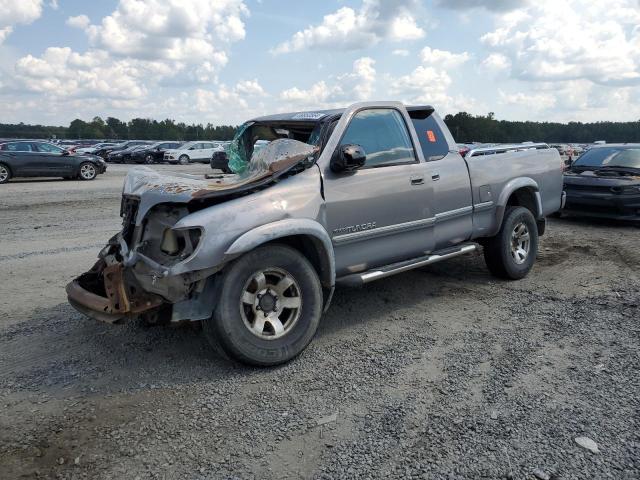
(432, 141)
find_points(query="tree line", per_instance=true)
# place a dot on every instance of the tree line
(115, 129)
(464, 127)
(468, 128)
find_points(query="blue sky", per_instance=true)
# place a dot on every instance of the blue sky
(223, 61)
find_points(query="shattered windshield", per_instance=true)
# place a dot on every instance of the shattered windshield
(255, 147)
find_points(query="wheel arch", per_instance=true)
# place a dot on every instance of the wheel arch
(521, 192)
(307, 236)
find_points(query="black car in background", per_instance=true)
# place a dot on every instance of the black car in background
(605, 182)
(153, 153)
(124, 155)
(104, 152)
(220, 161)
(32, 158)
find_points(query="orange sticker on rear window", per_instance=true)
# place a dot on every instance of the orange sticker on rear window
(431, 136)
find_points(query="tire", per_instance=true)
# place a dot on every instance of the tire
(509, 260)
(240, 328)
(5, 173)
(87, 171)
(148, 159)
(183, 160)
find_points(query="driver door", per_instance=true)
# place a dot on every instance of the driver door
(382, 212)
(52, 160)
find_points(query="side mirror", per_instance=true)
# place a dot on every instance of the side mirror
(348, 158)
(65, 153)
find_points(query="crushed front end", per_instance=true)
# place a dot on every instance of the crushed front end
(155, 265)
(134, 273)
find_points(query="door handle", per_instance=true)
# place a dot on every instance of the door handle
(417, 180)
(435, 177)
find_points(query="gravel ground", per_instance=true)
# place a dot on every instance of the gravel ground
(441, 373)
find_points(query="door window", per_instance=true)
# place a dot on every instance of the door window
(383, 135)
(19, 147)
(48, 148)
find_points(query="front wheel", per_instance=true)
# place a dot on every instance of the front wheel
(269, 307)
(148, 159)
(183, 160)
(512, 252)
(88, 171)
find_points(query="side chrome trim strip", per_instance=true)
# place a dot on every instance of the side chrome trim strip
(459, 212)
(407, 226)
(480, 207)
(383, 231)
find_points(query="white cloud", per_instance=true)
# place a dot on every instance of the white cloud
(17, 12)
(60, 72)
(358, 85)
(250, 87)
(189, 31)
(496, 63)
(552, 40)
(401, 52)
(430, 82)
(493, 5)
(138, 47)
(352, 29)
(442, 58)
(79, 21)
(530, 101)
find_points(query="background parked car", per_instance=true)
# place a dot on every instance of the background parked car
(220, 161)
(96, 147)
(104, 152)
(153, 153)
(192, 152)
(605, 182)
(124, 155)
(43, 159)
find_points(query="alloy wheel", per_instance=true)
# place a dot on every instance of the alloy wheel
(520, 243)
(87, 171)
(271, 303)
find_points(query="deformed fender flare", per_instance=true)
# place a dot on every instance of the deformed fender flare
(286, 228)
(507, 191)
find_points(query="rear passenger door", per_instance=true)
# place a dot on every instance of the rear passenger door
(380, 213)
(21, 158)
(207, 150)
(448, 174)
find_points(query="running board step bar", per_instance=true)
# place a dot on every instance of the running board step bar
(358, 279)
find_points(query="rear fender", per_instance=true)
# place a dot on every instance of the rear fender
(508, 190)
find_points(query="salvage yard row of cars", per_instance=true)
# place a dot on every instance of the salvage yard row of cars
(603, 181)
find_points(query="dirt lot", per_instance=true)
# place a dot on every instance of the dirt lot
(440, 373)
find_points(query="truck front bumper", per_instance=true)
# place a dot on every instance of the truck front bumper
(103, 293)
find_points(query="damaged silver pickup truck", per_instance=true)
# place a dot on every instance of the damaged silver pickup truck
(336, 197)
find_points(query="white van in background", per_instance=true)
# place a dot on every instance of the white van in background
(196, 151)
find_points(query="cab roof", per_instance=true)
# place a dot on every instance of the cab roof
(313, 116)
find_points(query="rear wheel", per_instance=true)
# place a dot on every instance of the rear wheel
(5, 173)
(512, 252)
(87, 171)
(269, 307)
(183, 160)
